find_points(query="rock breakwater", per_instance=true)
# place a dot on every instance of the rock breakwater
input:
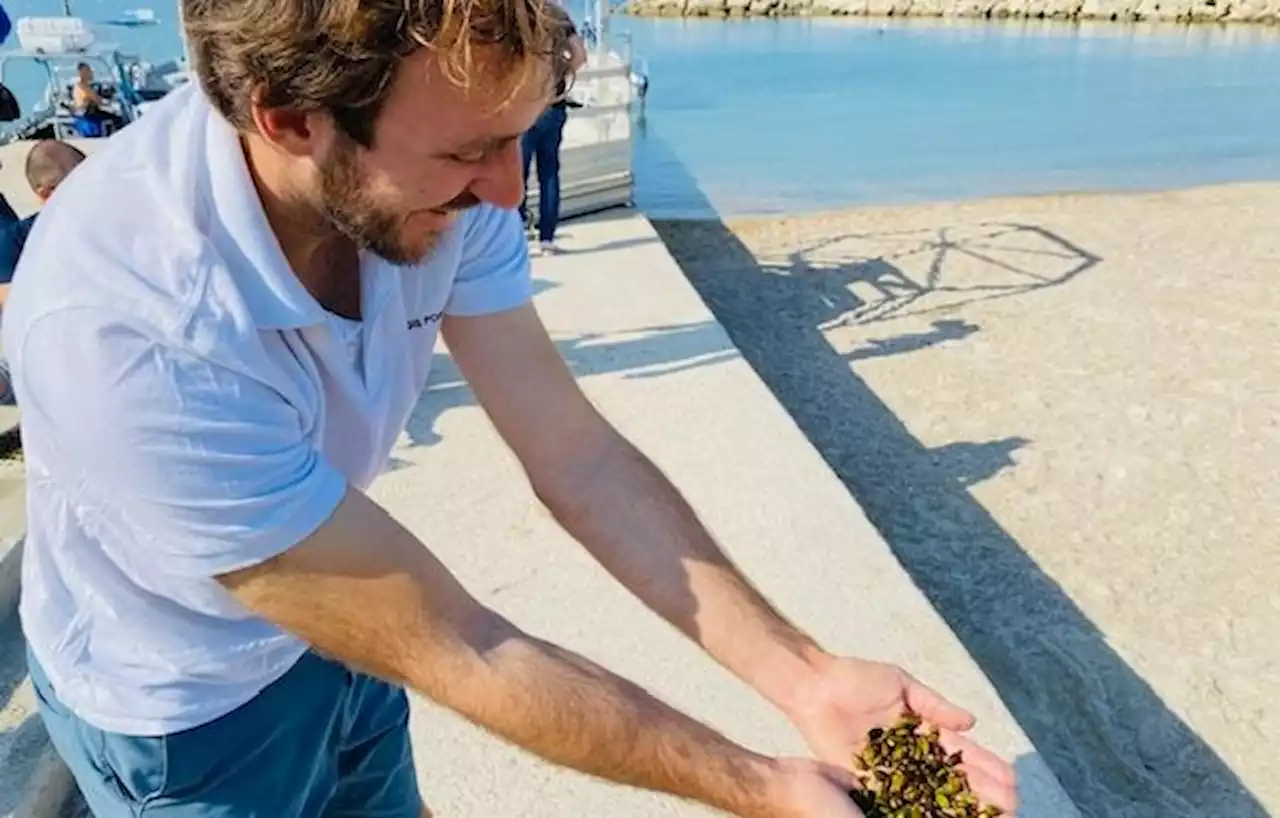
(1265, 12)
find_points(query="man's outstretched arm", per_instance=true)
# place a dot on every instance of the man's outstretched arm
(615, 502)
(365, 591)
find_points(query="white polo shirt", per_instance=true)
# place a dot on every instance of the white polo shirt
(188, 409)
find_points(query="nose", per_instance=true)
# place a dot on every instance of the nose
(500, 180)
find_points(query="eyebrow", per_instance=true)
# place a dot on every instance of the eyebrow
(486, 143)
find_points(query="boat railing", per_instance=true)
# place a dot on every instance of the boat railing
(604, 89)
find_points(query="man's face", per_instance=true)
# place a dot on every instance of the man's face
(86, 74)
(437, 149)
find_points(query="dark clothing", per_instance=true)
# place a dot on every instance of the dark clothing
(320, 740)
(13, 237)
(543, 141)
(7, 214)
(95, 123)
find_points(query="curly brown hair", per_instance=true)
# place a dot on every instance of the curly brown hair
(341, 55)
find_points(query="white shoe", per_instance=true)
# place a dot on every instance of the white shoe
(548, 248)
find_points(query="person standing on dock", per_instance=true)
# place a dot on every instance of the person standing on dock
(542, 142)
(215, 366)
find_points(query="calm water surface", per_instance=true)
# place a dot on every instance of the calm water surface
(791, 115)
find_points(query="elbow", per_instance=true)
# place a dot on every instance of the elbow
(565, 496)
(486, 631)
(573, 466)
(447, 669)
(572, 487)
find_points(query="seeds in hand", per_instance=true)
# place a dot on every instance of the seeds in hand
(904, 773)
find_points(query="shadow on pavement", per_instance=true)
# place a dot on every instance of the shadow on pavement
(1112, 742)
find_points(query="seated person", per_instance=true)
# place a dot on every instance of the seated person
(89, 105)
(48, 163)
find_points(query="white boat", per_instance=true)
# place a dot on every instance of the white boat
(135, 18)
(57, 46)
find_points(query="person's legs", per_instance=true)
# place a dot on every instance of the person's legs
(320, 741)
(548, 150)
(528, 144)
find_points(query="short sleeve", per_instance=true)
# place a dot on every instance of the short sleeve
(202, 467)
(493, 270)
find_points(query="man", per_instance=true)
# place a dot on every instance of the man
(89, 106)
(48, 163)
(543, 141)
(214, 368)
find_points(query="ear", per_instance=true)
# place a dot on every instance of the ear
(43, 192)
(297, 133)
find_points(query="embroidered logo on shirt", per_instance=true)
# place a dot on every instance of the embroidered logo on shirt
(430, 318)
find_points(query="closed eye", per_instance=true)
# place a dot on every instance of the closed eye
(473, 156)
(470, 157)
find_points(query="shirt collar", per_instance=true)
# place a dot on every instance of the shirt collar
(271, 291)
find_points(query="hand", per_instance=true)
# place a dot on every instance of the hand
(804, 788)
(847, 697)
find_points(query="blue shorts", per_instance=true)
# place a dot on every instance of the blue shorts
(320, 741)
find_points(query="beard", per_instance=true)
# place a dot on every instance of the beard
(351, 208)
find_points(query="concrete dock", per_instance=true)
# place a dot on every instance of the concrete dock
(650, 354)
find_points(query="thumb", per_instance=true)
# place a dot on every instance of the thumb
(927, 703)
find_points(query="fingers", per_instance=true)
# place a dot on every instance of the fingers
(931, 706)
(844, 781)
(990, 792)
(990, 776)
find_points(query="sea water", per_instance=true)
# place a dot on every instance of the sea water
(771, 116)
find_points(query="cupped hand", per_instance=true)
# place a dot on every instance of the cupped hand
(847, 697)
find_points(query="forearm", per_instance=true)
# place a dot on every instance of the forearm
(366, 592)
(639, 527)
(576, 714)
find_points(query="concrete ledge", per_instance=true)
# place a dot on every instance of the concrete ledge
(48, 790)
(13, 518)
(35, 782)
(10, 576)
